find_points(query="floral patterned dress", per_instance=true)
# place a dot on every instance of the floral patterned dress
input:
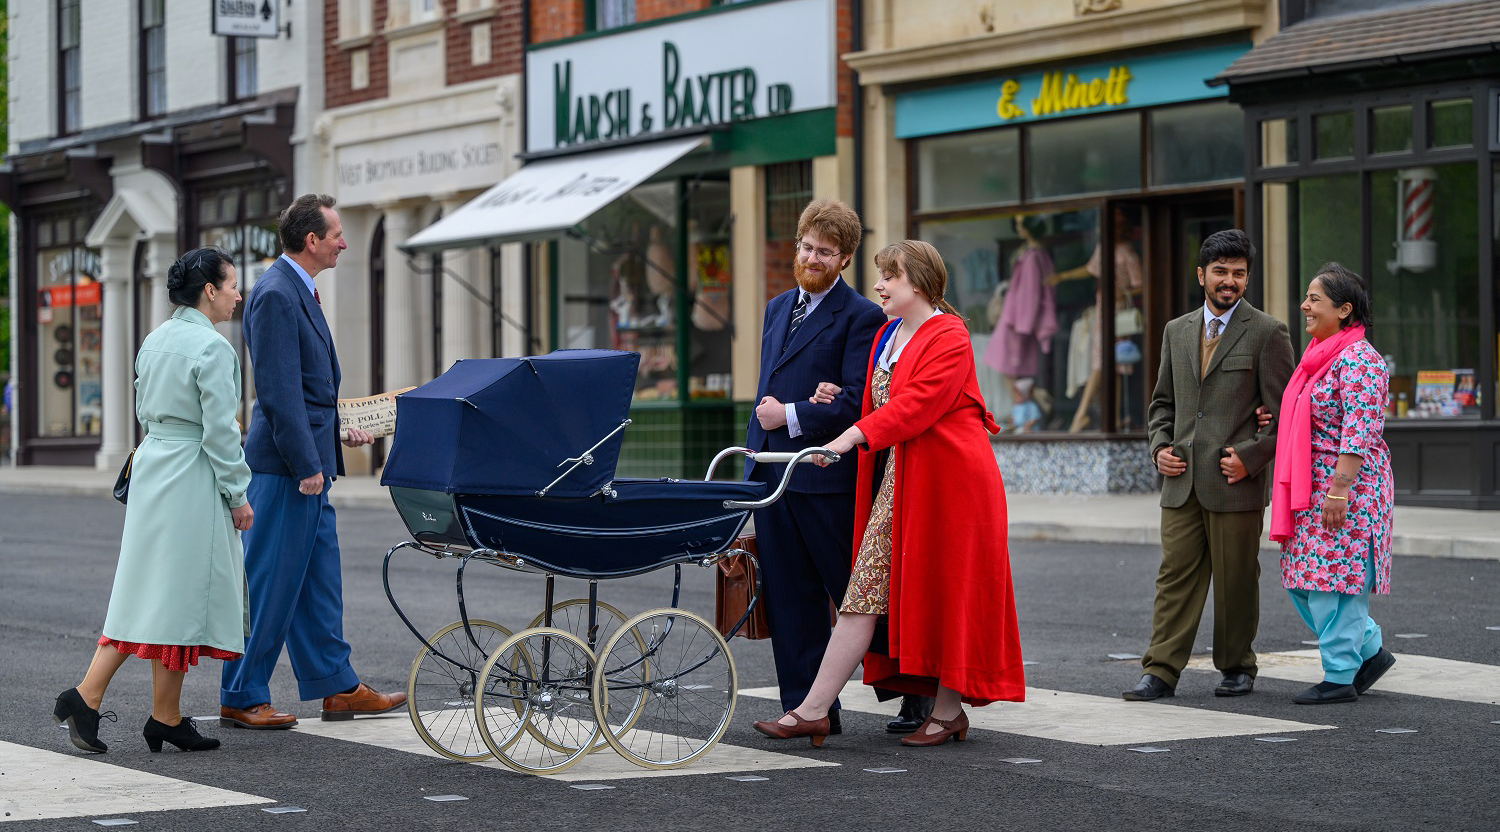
(1348, 417)
(870, 583)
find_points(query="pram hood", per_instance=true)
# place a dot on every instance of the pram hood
(505, 425)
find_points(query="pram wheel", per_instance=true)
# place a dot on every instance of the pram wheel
(665, 690)
(535, 710)
(441, 688)
(572, 616)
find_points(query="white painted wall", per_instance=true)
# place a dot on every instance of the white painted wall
(110, 65)
(33, 85)
(195, 57)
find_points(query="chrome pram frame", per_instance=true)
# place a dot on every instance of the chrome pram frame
(659, 687)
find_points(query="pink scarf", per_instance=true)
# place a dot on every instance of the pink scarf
(1291, 489)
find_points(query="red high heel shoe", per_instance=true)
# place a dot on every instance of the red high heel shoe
(957, 728)
(815, 730)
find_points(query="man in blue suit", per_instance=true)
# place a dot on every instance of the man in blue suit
(821, 331)
(292, 556)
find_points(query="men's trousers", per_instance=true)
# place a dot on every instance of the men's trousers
(296, 596)
(1198, 548)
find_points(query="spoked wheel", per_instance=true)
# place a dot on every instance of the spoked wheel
(440, 690)
(572, 616)
(665, 690)
(535, 708)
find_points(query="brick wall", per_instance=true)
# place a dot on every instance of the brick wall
(505, 44)
(338, 90)
(556, 19)
(845, 45)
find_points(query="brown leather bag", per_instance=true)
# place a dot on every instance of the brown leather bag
(734, 585)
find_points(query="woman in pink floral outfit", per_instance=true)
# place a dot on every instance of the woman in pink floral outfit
(1332, 496)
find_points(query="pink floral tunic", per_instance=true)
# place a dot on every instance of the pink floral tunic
(1348, 417)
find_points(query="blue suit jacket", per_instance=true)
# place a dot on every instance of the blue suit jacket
(832, 344)
(294, 424)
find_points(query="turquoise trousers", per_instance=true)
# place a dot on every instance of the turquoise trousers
(1346, 633)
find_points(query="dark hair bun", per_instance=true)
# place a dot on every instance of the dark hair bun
(194, 270)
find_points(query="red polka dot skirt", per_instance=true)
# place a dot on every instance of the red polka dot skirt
(172, 656)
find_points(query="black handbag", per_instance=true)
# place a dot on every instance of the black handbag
(122, 482)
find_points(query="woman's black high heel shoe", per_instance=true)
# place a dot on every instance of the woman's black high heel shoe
(184, 735)
(82, 721)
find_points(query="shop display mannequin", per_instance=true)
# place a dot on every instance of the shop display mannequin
(1028, 317)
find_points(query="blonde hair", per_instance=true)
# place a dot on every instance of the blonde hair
(924, 269)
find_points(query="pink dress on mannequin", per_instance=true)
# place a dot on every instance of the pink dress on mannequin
(1028, 320)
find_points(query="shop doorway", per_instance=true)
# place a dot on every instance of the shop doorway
(1190, 222)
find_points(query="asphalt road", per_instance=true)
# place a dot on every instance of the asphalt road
(1077, 604)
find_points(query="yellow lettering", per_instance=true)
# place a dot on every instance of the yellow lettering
(1006, 107)
(1050, 99)
(1120, 75)
(1076, 94)
(1096, 92)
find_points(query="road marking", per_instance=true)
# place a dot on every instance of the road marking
(1089, 720)
(397, 734)
(46, 784)
(1412, 674)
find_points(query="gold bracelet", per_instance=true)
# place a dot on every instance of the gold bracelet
(1336, 497)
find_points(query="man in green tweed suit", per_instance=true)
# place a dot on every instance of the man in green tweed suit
(1218, 364)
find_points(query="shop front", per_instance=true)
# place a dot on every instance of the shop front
(1389, 163)
(665, 165)
(1068, 201)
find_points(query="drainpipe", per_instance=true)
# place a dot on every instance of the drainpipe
(857, 38)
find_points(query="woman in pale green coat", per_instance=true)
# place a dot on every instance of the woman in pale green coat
(180, 582)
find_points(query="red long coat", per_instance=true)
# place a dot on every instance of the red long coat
(952, 607)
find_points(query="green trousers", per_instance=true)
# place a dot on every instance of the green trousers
(1198, 548)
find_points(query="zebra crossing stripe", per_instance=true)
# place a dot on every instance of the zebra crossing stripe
(1086, 719)
(1412, 674)
(41, 785)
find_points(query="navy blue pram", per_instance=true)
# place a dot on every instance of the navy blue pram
(511, 462)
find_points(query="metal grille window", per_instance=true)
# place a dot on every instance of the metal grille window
(788, 190)
(153, 58)
(69, 71)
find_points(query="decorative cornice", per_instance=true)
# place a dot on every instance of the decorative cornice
(1089, 35)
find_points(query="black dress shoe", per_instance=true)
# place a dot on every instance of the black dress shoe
(914, 711)
(1372, 669)
(1149, 688)
(1326, 693)
(835, 725)
(82, 721)
(184, 735)
(1235, 684)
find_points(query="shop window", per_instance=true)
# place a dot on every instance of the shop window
(1390, 129)
(1424, 285)
(69, 67)
(709, 286)
(1333, 136)
(969, 170)
(69, 396)
(1451, 123)
(153, 46)
(1278, 143)
(1328, 227)
(1197, 143)
(1028, 285)
(1099, 154)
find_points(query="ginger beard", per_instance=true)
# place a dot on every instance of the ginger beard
(814, 282)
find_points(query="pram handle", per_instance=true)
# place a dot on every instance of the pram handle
(789, 457)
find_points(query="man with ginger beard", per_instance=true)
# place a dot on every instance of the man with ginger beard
(821, 331)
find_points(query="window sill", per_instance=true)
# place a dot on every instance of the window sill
(418, 28)
(476, 14)
(355, 42)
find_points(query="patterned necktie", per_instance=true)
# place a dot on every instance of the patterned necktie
(798, 313)
(1214, 325)
(315, 296)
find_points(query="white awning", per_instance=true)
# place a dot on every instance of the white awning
(550, 196)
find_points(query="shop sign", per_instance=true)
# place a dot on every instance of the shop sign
(1065, 91)
(421, 164)
(708, 69)
(81, 294)
(247, 18)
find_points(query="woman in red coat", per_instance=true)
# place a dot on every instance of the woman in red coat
(932, 554)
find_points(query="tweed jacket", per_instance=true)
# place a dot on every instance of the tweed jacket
(1200, 414)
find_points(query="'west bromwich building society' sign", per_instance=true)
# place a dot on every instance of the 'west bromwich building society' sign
(247, 18)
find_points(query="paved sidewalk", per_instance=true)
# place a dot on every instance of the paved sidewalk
(1092, 518)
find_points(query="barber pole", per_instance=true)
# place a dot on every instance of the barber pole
(1416, 250)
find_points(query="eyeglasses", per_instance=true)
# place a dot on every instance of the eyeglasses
(806, 250)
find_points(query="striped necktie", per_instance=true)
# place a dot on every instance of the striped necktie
(798, 313)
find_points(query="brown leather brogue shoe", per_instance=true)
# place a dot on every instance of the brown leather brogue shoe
(362, 700)
(262, 717)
